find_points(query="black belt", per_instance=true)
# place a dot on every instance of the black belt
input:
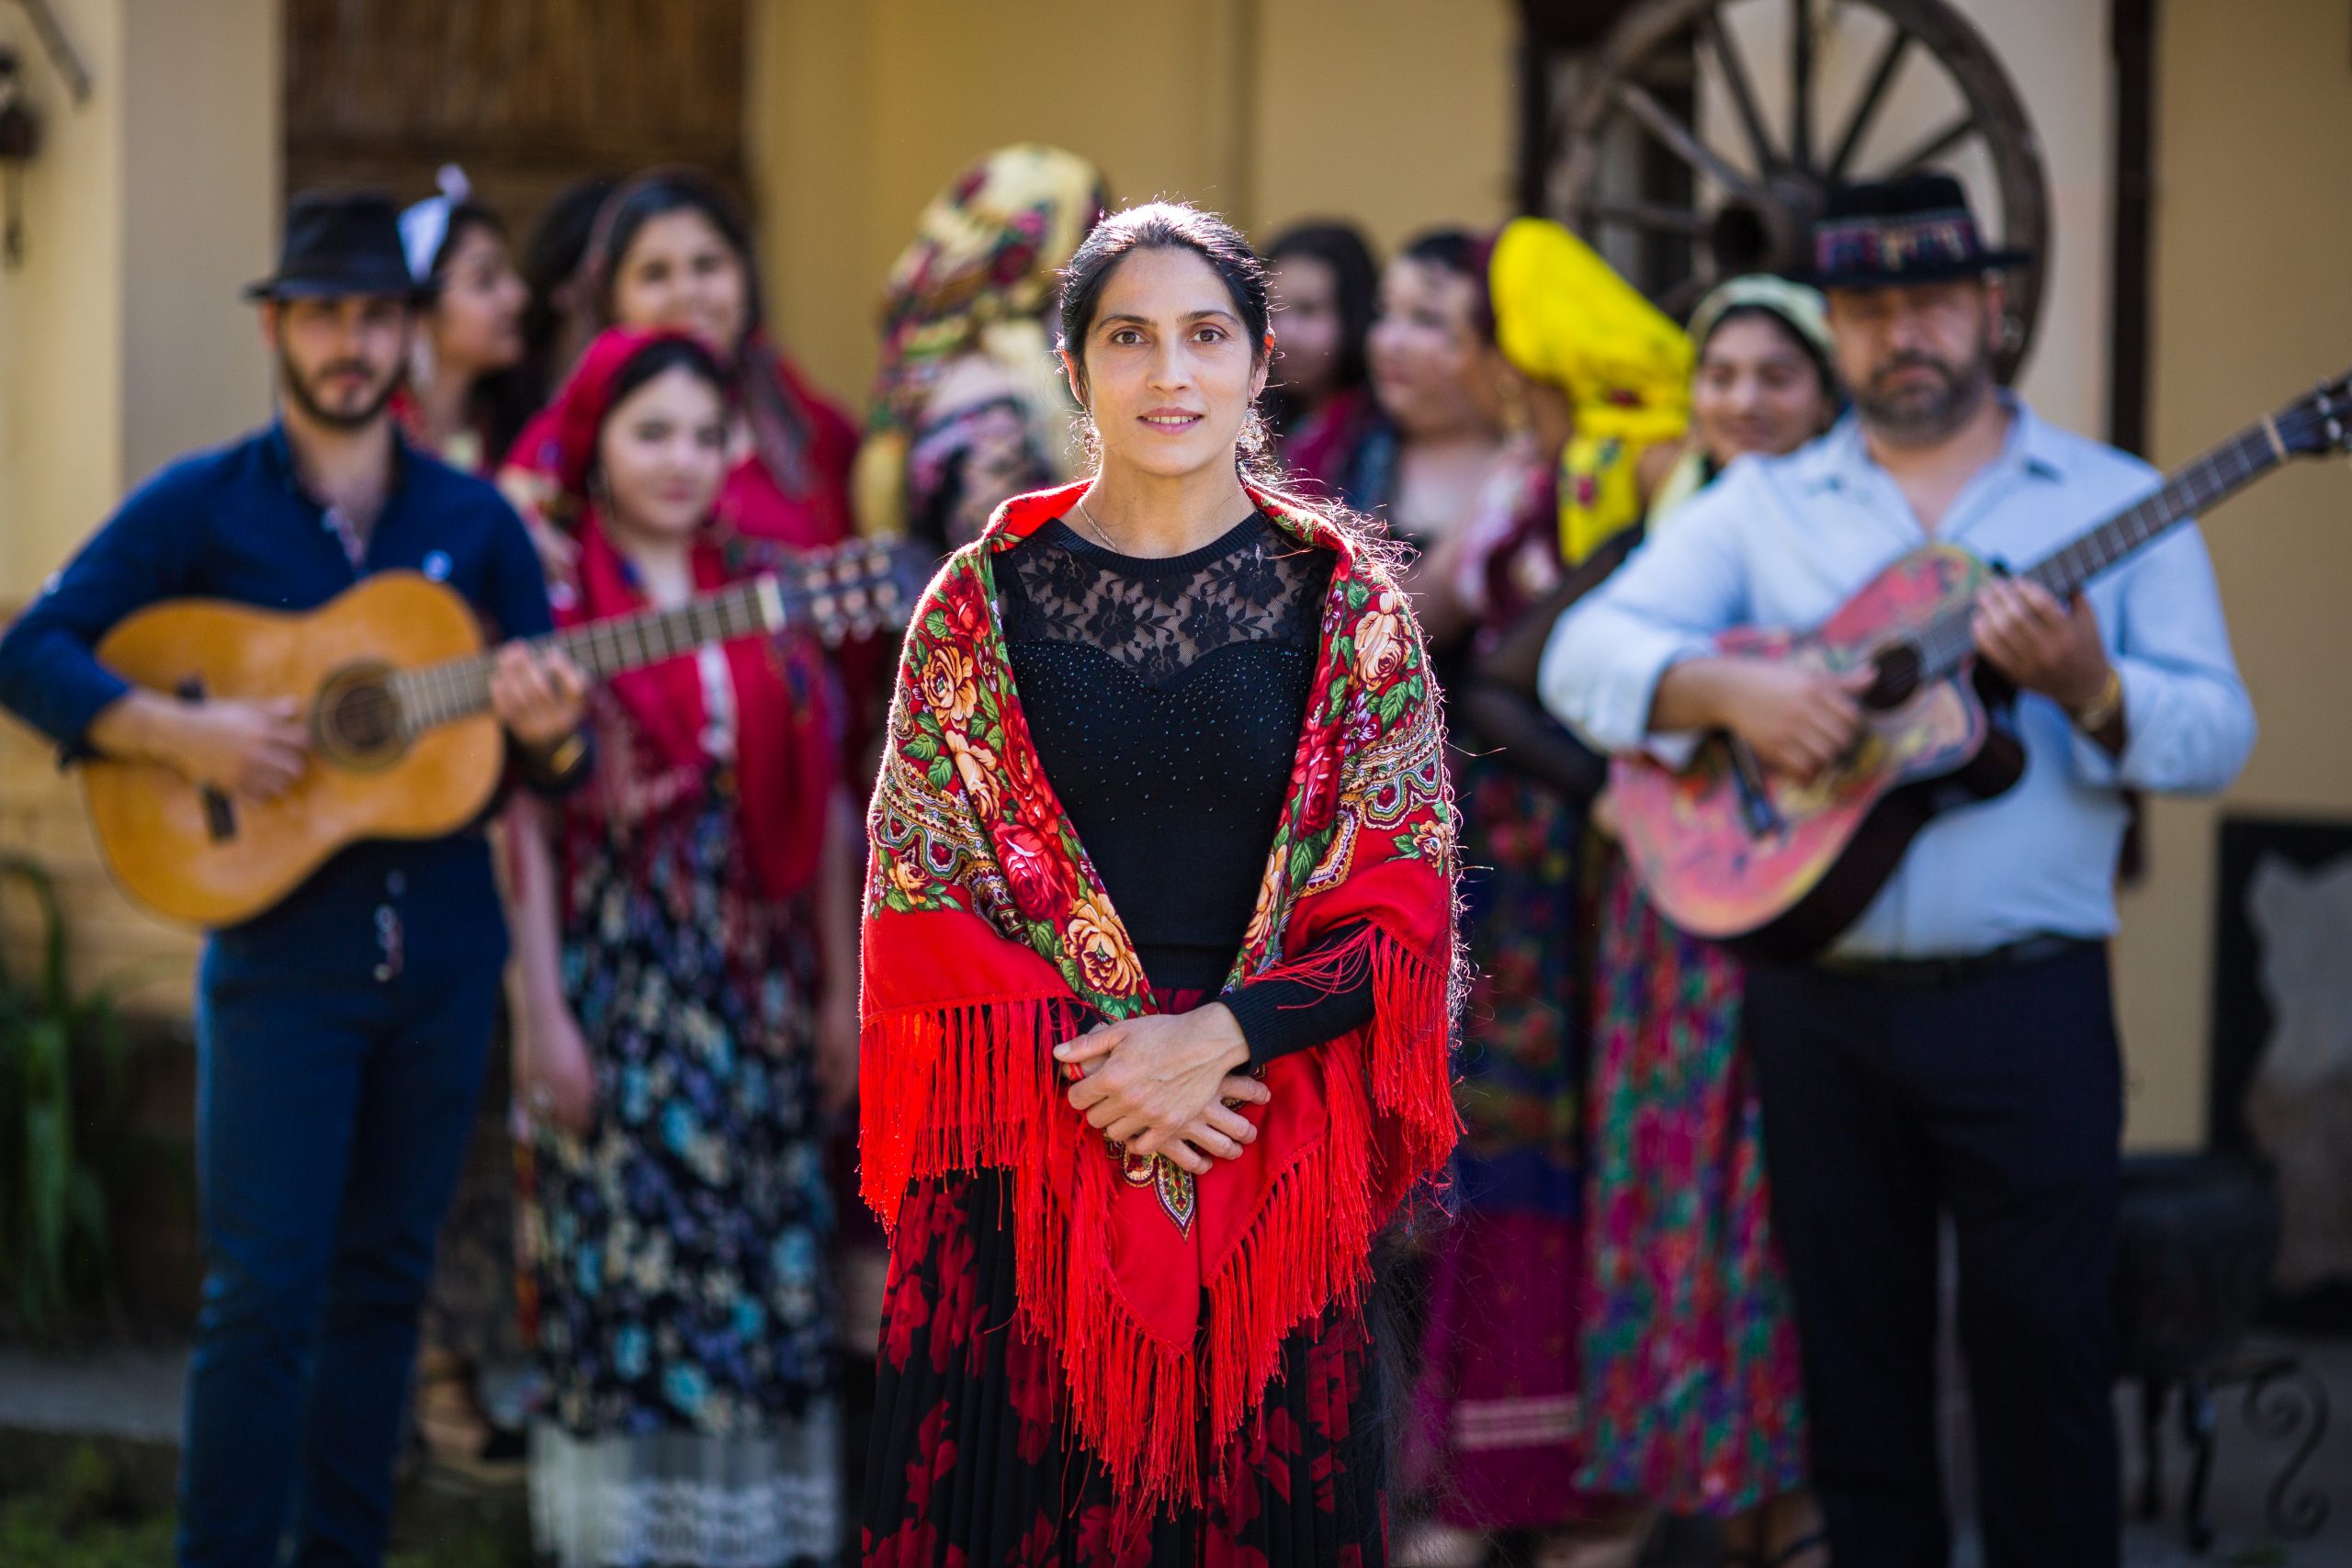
(1937, 974)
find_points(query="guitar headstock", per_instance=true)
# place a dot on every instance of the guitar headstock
(2318, 423)
(855, 589)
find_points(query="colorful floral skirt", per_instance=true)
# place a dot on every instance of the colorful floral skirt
(685, 1305)
(1690, 1351)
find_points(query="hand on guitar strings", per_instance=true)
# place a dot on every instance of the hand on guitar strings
(1168, 1084)
(1797, 718)
(537, 696)
(254, 751)
(2040, 644)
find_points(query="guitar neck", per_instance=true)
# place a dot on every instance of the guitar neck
(2210, 478)
(443, 693)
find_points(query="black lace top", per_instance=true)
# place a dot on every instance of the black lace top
(1165, 698)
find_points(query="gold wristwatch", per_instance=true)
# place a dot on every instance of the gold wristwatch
(2101, 710)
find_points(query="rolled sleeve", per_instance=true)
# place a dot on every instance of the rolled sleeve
(1668, 603)
(2188, 724)
(49, 673)
(1600, 673)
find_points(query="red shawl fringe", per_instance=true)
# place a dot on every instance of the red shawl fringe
(959, 1089)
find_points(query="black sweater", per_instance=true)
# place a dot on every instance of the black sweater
(1165, 698)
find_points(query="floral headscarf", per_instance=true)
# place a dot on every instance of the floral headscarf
(980, 274)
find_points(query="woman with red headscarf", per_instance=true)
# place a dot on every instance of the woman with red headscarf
(689, 973)
(671, 253)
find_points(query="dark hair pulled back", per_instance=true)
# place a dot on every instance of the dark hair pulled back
(1356, 287)
(1466, 255)
(660, 358)
(658, 194)
(1168, 226)
(1178, 226)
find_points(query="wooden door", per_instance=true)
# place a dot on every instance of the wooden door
(526, 96)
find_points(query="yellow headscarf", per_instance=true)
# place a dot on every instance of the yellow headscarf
(980, 273)
(1565, 317)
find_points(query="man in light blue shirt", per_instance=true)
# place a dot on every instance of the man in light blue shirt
(1954, 1049)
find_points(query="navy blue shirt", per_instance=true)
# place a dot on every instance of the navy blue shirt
(236, 524)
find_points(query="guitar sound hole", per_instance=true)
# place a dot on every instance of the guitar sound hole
(358, 720)
(1897, 677)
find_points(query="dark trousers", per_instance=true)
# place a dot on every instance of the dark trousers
(1996, 1099)
(331, 1117)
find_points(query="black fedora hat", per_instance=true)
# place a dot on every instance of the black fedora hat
(340, 242)
(1915, 228)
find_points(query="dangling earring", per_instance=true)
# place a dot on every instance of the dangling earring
(1516, 418)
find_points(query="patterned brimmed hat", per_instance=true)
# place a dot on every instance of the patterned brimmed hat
(1914, 230)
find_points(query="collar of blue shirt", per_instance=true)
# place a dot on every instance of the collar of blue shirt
(2034, 447)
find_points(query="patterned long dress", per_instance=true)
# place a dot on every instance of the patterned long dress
(1692, 1397)
(686, 1311)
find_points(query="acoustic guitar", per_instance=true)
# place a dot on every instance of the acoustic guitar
(394, 683)
(1776, 867)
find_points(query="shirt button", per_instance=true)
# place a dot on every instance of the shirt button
(396, 884)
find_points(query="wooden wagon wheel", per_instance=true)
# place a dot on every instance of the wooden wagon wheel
(1762, 189)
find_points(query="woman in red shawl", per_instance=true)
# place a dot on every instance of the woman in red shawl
(688, 1020)
(1158, 978)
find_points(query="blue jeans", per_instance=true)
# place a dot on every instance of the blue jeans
(332, 1119)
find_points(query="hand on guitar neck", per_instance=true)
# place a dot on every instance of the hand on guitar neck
(257, 751)
(2040, 645)
(1797, 719)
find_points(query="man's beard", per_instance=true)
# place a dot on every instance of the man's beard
(299, 390)
(1919, 414)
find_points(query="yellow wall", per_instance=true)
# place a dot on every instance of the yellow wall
(122, 344)
(122, 340)
(2252, 228)
(1398, 113)
(200, 221)
(60, 318)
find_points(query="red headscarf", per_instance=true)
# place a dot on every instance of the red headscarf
(786, 766)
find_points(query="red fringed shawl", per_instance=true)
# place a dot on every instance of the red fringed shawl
(986, 929)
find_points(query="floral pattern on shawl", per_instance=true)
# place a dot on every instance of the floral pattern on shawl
(960, 1022)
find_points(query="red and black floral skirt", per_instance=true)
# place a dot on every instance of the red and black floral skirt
(973, 1462)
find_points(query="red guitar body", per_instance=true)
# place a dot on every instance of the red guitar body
(1780, 876)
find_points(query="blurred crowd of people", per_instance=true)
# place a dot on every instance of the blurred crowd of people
(1602, 1334)
(654, 1292)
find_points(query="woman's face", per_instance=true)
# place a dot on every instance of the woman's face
(679, 271)
(664, 454)
(1308, 326)
(1432, 368)
(477, 319)
(1169, 370)
(1756, 390)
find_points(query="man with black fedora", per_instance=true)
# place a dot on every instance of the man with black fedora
(1953, 1053)
(341, 1037)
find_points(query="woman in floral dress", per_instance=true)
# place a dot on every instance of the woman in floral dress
(688, 960)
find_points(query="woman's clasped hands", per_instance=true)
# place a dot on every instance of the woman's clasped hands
(1168, 1084)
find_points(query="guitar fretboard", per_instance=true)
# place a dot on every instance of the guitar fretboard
(1948, 640)
(443, 693)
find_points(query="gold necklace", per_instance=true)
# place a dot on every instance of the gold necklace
(1089, 515)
